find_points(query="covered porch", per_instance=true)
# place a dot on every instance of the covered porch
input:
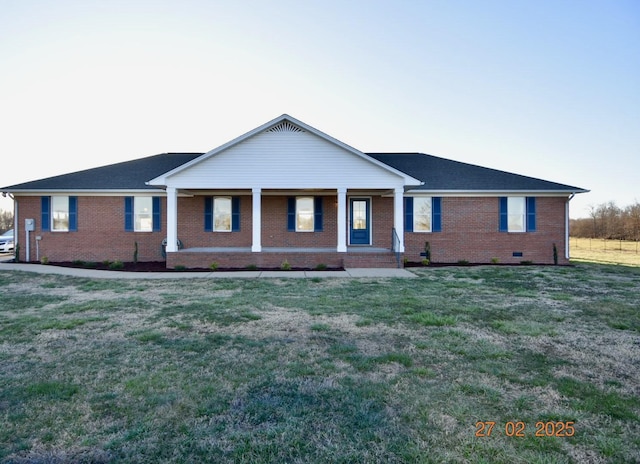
(284, 191)
(271, 228)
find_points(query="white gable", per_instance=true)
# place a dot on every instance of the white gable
(284, 154)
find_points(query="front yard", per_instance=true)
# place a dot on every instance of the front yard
(465, 364)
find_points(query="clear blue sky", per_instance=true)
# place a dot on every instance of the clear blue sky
(544, 88)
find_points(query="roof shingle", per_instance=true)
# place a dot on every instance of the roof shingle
(128, 175)
(444, 174)
(438, 174)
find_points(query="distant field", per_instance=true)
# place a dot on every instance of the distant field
(605, 251)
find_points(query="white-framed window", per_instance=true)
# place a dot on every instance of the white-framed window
(304, 214)
(60, 214)
(516, 214)
(422, 214)
(222, 214)
(143, 214)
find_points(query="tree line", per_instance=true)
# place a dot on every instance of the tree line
(609, 221)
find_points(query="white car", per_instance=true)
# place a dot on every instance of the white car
(6, 241)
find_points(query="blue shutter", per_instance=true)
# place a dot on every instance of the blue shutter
(408, 214)
(208, 214)
(317, 223)
(531, 214)
(291, 214)
(504, 215)
(45, 216)
(235, 214)
(157, 226)
(128, 214)
(73, 214)
(436, 214)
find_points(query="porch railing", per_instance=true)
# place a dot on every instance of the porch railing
(395, 245)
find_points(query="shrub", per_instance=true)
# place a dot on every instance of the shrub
(285, 266)
(526, 262)
(78, 262)
(321, 267)
(106, 263)
(251, 267)
(463, 262)
(180, 267)
(116, 265)
(214, 266)
(495, 260)
(427, 250)
(44, 260)
(135, 252)
(555, 254)
(426, 262)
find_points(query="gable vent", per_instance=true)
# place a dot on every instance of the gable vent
(285, 126)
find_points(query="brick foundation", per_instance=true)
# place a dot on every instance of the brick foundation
(307, 260)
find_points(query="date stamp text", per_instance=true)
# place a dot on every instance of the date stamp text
(519, 429)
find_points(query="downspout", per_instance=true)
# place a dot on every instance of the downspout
(566, 226)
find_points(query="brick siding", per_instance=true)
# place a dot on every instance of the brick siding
(469, 232)
(100, 235)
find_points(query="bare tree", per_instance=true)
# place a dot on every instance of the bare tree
(6, 220)
(609, 221)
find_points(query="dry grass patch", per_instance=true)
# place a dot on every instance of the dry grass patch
(332, 370)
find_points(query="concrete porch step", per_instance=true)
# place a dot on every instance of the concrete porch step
(381, 259)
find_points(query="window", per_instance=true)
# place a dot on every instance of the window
(142, 214)
(423, 214)
(59, 214)
(222, 214)
(517, 214)
(304, 214)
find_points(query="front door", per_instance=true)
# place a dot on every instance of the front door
(360, 230)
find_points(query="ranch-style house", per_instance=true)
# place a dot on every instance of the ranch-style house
(286, 191)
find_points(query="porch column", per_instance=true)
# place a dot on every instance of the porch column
(398, 215)
(172, 219)
(342, 220)
(256, 240)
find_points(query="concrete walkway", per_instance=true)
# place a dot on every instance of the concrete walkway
(96, 274)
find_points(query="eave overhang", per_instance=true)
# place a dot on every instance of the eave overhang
(496, 193)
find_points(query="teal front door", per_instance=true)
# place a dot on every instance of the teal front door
(360, 229)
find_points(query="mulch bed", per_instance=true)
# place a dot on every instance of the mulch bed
(161, 266)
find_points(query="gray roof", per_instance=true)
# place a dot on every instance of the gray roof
(438, 174)
(128, 175)
(441, 174)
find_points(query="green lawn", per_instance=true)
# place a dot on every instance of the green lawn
(324, 370)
